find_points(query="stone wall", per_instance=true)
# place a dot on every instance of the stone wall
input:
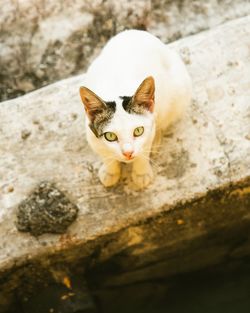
(44, 41)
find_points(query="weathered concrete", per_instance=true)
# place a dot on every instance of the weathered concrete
(53, 40)
(195, 214)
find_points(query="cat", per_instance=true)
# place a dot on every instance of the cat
(134, 89)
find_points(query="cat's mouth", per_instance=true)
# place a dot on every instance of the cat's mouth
(126, 159)
(128, 156)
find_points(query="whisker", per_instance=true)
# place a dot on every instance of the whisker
(153, 163)
(152, 151)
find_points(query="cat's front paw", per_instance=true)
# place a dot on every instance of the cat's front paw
(143, 179)
(109, 178)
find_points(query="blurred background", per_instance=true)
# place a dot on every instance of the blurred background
(42, 41)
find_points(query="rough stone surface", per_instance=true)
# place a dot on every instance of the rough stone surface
(171, 20)
(195, 214)
(53, 40)
(46, 210)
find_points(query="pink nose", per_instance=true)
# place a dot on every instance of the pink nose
(128, 154)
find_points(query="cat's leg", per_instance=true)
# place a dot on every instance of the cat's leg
(142, 173)
(109, 173)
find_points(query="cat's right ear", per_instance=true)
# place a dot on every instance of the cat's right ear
(92, 103)
(145, 94)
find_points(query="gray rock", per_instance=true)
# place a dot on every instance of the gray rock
(46, 210)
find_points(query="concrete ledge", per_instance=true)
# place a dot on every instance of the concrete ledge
(202, 184)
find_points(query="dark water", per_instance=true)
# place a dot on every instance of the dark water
(221, 290)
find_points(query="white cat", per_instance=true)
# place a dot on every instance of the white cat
(136, 87)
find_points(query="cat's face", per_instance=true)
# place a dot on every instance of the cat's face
(125, 127)
(127, 135)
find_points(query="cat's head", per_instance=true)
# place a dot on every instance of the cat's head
(124, 127)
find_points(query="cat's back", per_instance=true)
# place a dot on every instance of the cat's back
(129, 50)
(133, 41)
(129, 56)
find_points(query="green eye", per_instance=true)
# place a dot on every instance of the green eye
(138, 131)
(110, 136)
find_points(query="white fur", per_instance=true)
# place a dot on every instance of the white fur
(126, 60)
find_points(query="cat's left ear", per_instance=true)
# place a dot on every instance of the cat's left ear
(92, 103)
(145, 94)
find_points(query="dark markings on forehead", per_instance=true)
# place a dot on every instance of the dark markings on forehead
(126, 103)
(111, 105)
(132, 107)
(102, 118)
